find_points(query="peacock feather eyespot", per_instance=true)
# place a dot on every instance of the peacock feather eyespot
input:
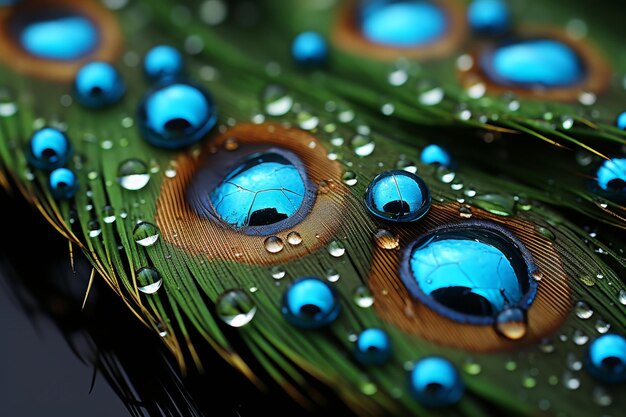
(373, 347)
(163, 61)
(49, 148)
(258, 198)
(52, 38)
(611, 179)
(606, 359)
(175, 114)
(98, 84)
(398, 196)
(310, 303)
(538, 63)
(389, 29)
(63, 183)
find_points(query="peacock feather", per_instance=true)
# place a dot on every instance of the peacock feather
(416, 204)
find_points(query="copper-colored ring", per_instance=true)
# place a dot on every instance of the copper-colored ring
(546, 314)
(181, 226)
(596, 81)
(109, 47)
(347, 35)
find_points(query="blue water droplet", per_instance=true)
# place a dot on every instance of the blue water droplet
(176, 114)
(606, 359)
(407, 23)
(621, 121)
(55, 34)
(435, 382)
(373, 347)
(63, 183)
(163, 61)
(489, 16)
(309, 49)
(611, 176)
(435, 154)
(530, 63)
(398, 196)
(98, 84)
(310, 303)
(469, 272)
(266, 188)
(48, 149)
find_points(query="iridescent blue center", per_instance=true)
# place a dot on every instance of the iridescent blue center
(611, 175)
(63, 183)
(310, 303)
(176, 114)
(398, 196)
(163, 61)
(606, 359)
(435, 382)
(469, 272)
(621, 121)
(545, 63)
(98, 84)
(408, 23)
(265, 189)
(488, 16)
(435, 154)
(49, 148)
(373, 347)
(57, 35)
(309, 48)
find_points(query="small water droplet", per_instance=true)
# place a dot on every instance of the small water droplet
(579, 337)
(545, 232)
(529, 382)
(570, 381)
(445, 174)
(235, 307)
(573, 362)
(277, 272)
(349, 178)
(546, 346)
(602, 326)
(294, 238)
(601, 397)
(332, 275)
(511, 323)
(276, 100)
(471, 368)
(362, 145)
(108, 214)
(368, 388)
(94, 228)
(324, 187)
(132, 174)
(363, 297)
(307, 121)
(336, 248)
(583, 311)
(465, 211)
(274, 244)
(386, 239)
(148, 280)
(431, 96)
(406, 165)
(622, 297)
(588, 280)
(145, 234)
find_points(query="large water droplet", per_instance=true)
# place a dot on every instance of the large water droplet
(273, 244)
(132, 174)
(235, 307)
(386, 239)
(398, 196)
(435, 382)
(163, 61)
(98, 84)
(310, 303)
(146, 234)
(606, 359)
(148, 280)
(497, 204)
(583, 311)
(49, 148)
(294, 238)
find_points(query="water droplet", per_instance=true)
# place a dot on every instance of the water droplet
(435, 382)
(332, 275)
(63, 183)
(276, 100)
(174, 114)
(373, 347)
(489, 17)
(386, 239)
(431, 96)
(511, 323)
(310, 303)
(145, 234)
(445, 174)
(368, 387)
(349, 178)
(273, 244)
(573, 362)
(235, 307)
(611, 176)
(397, 76)
(363, 297)
(108, 214)
(601, 397)
(278, 272)
(472, 368)
(98, 84)
(148, 280)
(336, 248)
(309, 49)
(510, 366)
(495, 204)
(435, 154)
(48, 149)
(621, 297)
(133, 175)
(362, 145)
(307, 121)
(606, 359)
(579, 337)
(465, 211)
(583, 311)
(602, 326)
(163, 61)
(545, 232)
(570, 381)
(546, 346)
(294, 238)
(94, 228)
(398, 196)
(406, 165)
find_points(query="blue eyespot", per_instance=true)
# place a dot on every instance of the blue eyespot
(176, 114)
(469, 272)
(435, 154)
(55, 34)
(490, 17)
(407, 23)
(530, 63)
(310, 303)
(48, 149)
(621, 121)
(63, 183)
(162, 62)
(398, 196)
(606, 359)
(98, 84)
(373, 347)
(309, 49)
(435, 382)
(611, 175)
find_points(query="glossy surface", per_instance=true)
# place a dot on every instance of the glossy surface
(63, 183)
(407, 23)
(309, 48)
(310, 303)
(163, 61)
(489, 16)
(176, 114)
(606, 359)
(435, 154)
(435, 382)
(49, 148)
(98, 84)
(373, 347)
(611, 176)
(398, 196)
(265, 189)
